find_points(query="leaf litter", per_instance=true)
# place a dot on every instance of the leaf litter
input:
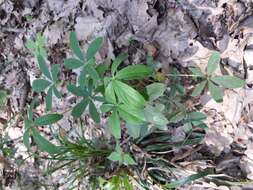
(185, 32)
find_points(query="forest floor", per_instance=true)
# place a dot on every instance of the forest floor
(176, 33)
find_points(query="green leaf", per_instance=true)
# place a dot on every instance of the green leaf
(115, 157)
(106, 108)
(133, 130)
(215, 91)
(119, 59)
(128, 160)
(26, 135)
(55, 71)
(56, 92)
(43, 67)
(186, 180)
(48, 119)
(72, 63)
(94, 47)
(3, 97)
(196, 71)
(196, 116)
(128, 95)
(74, 44)
(198, 89)
(40, 85)
(93, 112)
(114, 125)
(49, 97)
(213, 62)
(93, 73)
(75, 90)
(110, 94)
(80, 108)
(44, 144)
(30, 45)
(153, 116)
(134, 72)
(131, 115)
(228, 81)
(155, 90)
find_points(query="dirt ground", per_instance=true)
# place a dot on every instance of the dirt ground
(177, 33)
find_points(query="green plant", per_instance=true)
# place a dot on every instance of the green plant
(132, 98)
(214, 83)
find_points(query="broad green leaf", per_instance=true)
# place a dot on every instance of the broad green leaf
(134, 72)
(94, 47)
(43, 67)
(153, 116)
(55, 71)
(213, 62)
(44, 144)
(40, 85)
(74, 44)
(80, 108)
(101, 69)
(196, 71)
(215, 91)
(72, 63)
(186, 180)
(48, 119)
(75, 90)
(115, 157)
(175, 118)
(110, 94)
(228, 81)
(133, 130)
(198, 89)
(114, 125)
(155, 90)
(119, 59)
(128, 160)
(128, 95)
(196, 116)
(131, 115)
(106, 108)
(93, 112)
(49, 97)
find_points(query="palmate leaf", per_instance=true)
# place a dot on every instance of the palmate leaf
(215, 91)
(199, 88)
(114, 125)
(43, 67)
(128, 95)
(110, 94)
(48, 119)
(196, 71)
(155, 90)
(74, 44)
(49, 97)
(43, 143)
(213, 63)
(119, 59)
(132, 115)
(75, 90)
(134, 72)
(80, 108)
(72, 63)
(94, 47)
(228, 81)
(55, 71)
(40, 85)
(93, 112)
